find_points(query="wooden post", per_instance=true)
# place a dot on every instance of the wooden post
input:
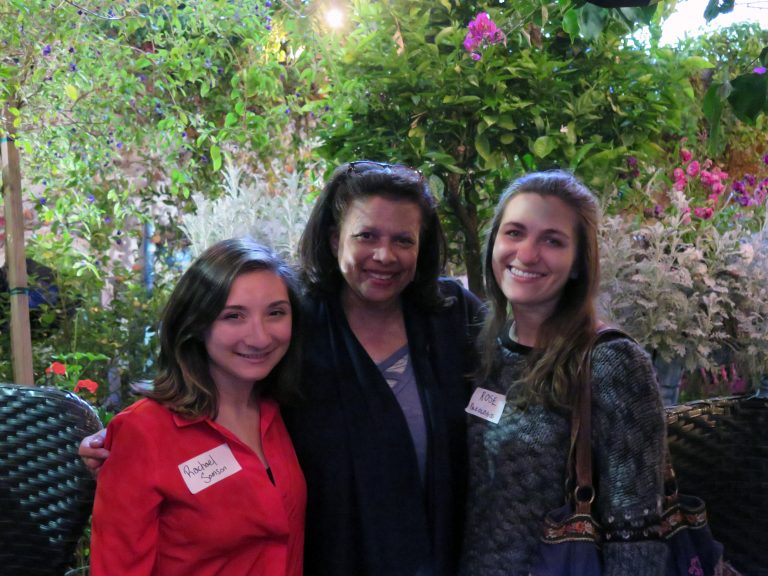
(21, 337)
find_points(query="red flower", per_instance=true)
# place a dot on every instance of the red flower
(89, 385)
(57, 368)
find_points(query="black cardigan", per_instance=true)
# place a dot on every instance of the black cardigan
(367, 513)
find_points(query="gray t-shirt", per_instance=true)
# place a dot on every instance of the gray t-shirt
(398, 372)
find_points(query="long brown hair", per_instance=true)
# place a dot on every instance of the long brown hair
(563, 338)
(184, 382)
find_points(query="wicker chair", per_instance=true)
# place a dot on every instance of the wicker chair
(45, 491)
(719, 450)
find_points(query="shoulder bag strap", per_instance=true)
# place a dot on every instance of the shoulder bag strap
(581, 423)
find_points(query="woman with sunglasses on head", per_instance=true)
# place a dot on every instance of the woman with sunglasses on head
(542, 263)
(381, 435)
(381, 430)
(202, 478)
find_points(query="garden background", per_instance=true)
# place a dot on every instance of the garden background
(146, 130)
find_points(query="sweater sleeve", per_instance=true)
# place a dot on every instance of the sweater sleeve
(628, 439)
(125, 526)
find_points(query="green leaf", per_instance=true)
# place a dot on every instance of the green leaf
(580, 155)
(571, 23)
(749, 96)
(71, 91)
(591, 21)
(483, 147)
(143, 62)
(717, 7)
(543, 146)
(230, 120)
(697, 63)
(205, 87)
(216, 157)
(712, 105)
(447, 31)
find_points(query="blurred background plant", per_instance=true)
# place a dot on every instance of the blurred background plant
(270, 204)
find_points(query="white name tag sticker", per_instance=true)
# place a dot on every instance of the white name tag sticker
(209, 467)
(486, 405)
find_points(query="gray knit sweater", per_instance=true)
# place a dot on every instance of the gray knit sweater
(518, 466)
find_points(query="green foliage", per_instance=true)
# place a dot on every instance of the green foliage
(732, 92)
(118, 114)
(184, 80)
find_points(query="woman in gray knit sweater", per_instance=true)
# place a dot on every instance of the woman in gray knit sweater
(542, 266)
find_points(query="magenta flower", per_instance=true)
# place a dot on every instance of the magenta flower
(765, 159)
(482, 31)
(703, 213)
(679, 174)
(693, 168)
(759, 70)
(679, 185)
(685, 155)
(718, 188)
(471, 43)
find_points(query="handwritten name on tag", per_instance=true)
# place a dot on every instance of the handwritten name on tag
(206, 469)
(486, 405)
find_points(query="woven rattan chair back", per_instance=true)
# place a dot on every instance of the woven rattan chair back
(46, 493)
(719, 451)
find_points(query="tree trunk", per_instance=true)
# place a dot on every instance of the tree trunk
(21, 339)
(466, 214)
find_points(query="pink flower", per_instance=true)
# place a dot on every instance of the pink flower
(759, 70)
(89, 385)
(483, 27)
(57, 368)
(706, 178)
(686, 219)
(482, 31)
(685, 155)
(703, 213)
(471, 43)
(679, 185)
(718, 188)
(679, 174)
(693, 168)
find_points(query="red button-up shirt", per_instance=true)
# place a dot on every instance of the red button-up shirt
(147, 521)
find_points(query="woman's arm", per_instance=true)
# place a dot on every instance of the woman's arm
(124, 536)
(628, 439)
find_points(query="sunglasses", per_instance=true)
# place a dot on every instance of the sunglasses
(361, 166)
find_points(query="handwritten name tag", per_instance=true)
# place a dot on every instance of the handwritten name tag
(486, 405)
(206, 469)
